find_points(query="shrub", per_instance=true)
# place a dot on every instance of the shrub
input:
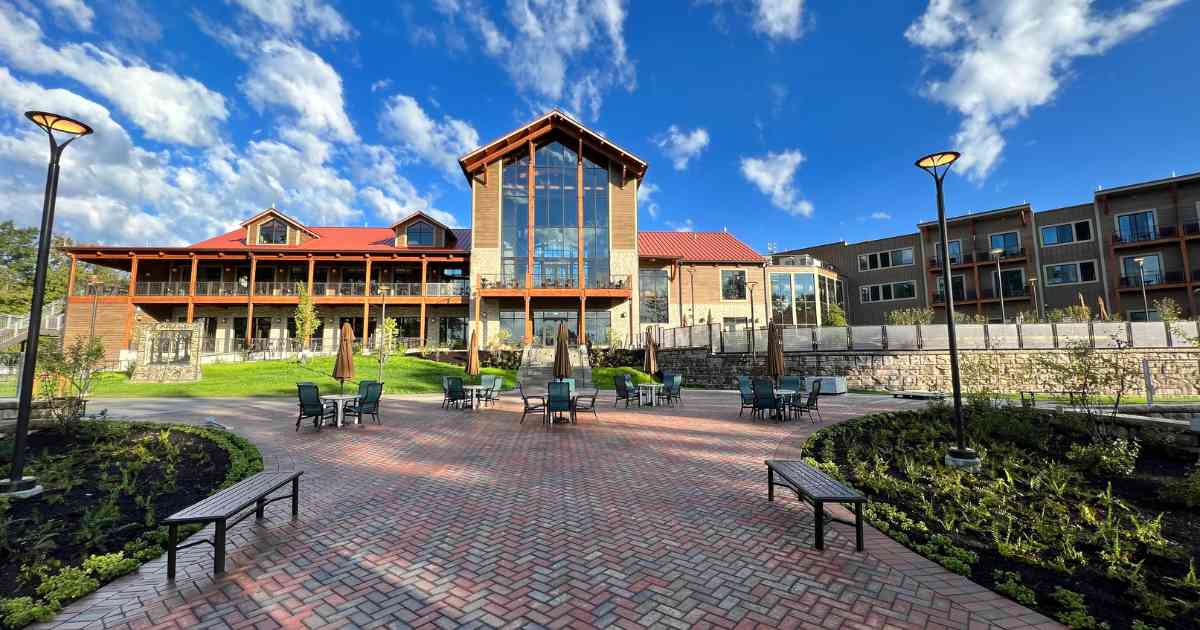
(70, 583)
(1009, 583)
(110, 565)
(1116, 458)
(1073, 610)
(909, 316)
(1184, 491)
(22, 611)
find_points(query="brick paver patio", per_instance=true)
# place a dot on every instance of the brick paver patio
(643, 517)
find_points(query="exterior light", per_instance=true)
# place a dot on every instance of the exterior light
(937, 165)
(55, 122)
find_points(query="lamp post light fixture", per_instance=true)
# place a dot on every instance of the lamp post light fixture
(1141, 263)
(997, 253)
(1037, 306)
(17, 484)
(937, 165)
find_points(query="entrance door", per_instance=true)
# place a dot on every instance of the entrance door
(545, 326)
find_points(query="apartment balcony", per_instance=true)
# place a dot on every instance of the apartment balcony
(959, 297)
(217, 289)
(446, 289)
(396, 288)
(277, 288)
(157, 289)
(502, 281)
(1126, 237)
(102, 289)
(988, 256)
(1010, 293)
(935, 262)
(339, 289)
(609, 282)
(1153, 279)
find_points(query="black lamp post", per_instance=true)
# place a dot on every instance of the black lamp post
(937, 165)
(17, 484)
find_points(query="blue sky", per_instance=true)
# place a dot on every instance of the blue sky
(784, 121)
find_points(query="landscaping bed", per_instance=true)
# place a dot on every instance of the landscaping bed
(1085, 528)
(107, 486)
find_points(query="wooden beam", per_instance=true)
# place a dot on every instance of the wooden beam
(253, 278)
(249, 322)
(528, 338)
(129, 312)
(311, 265)
(71, 276)
(192, 290)
(421, 325)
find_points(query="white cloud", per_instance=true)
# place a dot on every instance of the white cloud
(681, 146)
(687, 225)
(438, 142)
(1007, 58)
(774, 174)
(75, 10)
(290, 76)
(777, 19)
(289, 17)
(544, 43)
(881, 216)
(381, 84)
(164, 105)
(645, 199)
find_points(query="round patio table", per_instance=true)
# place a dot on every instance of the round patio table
(652, 389)
(340, 400)
(475, 391)
(786, 395)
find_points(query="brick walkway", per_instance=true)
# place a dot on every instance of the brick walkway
(654, 517)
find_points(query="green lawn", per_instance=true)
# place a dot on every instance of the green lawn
(402, 375)
(603, 377)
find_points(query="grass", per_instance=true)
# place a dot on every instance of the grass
(401, 375)
(602, 378)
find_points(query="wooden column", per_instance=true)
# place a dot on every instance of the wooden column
(528, 322)
(581, 333)
(191, 310)
(978, 289)
(532, 214)
(421, 324)
(129, 312)
(311, 265)
(71, 277)
(679, 286)
(367, 282)
(579, 221)
(253, 276)
(249, 321)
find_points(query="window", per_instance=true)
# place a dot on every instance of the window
(1137, 226)
(955, 248)
(1008, 241)
(273, 232)
(905, 290)
(959, 284)
(733, 284)
(882, 260)
(1144, 316)
(419, 234)
(514, 223)
(653, 289)
(169, 347)
(1012, 281)
(1071, 273)
(781, 298)
(1062, 234)
(734, 324)
(1151, 270)
(806, 298)
(597, 326)
(514, 323)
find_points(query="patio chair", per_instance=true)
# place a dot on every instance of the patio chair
(765, 398)
(491, 388)
(539, 405)
(747, 394)
(811, 405)
(456, 395)
(587, 402)
(311, 406)
(369, 393)
(794, 383)
(672, 389)
(625, 390)
(570, 383)
(558, 400)
(446, 391)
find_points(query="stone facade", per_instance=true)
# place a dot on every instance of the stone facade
(1175, 372)
(145, 371)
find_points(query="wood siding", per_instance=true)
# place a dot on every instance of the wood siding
(624, 211)
(110, 324)
(485, 223)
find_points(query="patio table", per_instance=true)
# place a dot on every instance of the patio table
(786, 395)
(652, 389)
(475, 391)
(340, 401)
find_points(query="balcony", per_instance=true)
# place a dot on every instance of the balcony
(939, 297)
(101, 289)
(1149, 234)
(1191, 229)
(502, 281)
(1014, 293)
(276, 288)
(609, 282)
(935, 262)
(222, 289)
(179, 289)
(446, 289)
(396, 288)
(986, 256)
(555, 281)
(1152, 278)
(339, 289)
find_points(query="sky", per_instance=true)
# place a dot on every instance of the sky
(787, 122)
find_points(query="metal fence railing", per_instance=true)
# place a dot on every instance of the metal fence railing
(934, 337)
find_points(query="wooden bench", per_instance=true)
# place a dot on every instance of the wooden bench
(226, 505)
(817, 488)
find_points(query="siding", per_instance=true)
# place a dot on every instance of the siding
(624, 211)
(110, 324)
(485, 222)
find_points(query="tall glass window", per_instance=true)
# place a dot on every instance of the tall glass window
(781, 298)
(598, 325)
(595, 223)
(514, 232)
(273, 232)
(556, 219)
(514, 323)
(420, 234)
(733, 284)
(653, 287)
(806, 298)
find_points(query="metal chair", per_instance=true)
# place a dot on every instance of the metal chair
(539, 406)
(558, 400)
(587, 402)
(765, 398)
(491, 392)
(811, 405)
(747, 393)
(673, 388)
(456, 395)
(369, 393)
(311, 406)
(625, 391)
(446, 391)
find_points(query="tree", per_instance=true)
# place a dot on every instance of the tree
(307, 319)
(67, 375)
(910, 316)
(1168, 310)
(834, 316)
(18, 260)
(387, 332)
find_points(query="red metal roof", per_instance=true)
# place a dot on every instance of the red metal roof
(696, 246)
(358, 239)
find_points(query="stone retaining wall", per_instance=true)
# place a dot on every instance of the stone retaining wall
(1175, 371)
(38, 414)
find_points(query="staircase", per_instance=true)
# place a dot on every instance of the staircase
(13, 330)
(537, 366)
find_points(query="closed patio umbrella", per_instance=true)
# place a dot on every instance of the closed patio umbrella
(650, 361)
(775, 365)
(1103, 308)
(343, 367)
(562, 357)
(473, 356)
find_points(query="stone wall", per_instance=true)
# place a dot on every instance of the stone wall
(39, 414)
(1175, 371)
(146, 372)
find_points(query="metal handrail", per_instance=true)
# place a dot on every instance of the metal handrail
(216, 288)
(156, 288)
(447, 288)
(396, 288)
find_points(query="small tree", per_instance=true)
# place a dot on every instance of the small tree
(1073, 313)
(1092, 376)
(67, 376)
(1168, 310)
(964, 318)
(834, 316)
(307, 319)
(499, 340)
(910, 316)
(386, 343)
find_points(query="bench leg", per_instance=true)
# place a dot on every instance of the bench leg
(770, 484)
(819, 516)
(219, 549)
(172, 542)
(295, 497)
(858, 525)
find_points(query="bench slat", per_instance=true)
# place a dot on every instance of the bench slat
(814, 483)
(233, 499)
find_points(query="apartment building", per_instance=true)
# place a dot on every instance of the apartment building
(553, 239)
(1126, 248)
